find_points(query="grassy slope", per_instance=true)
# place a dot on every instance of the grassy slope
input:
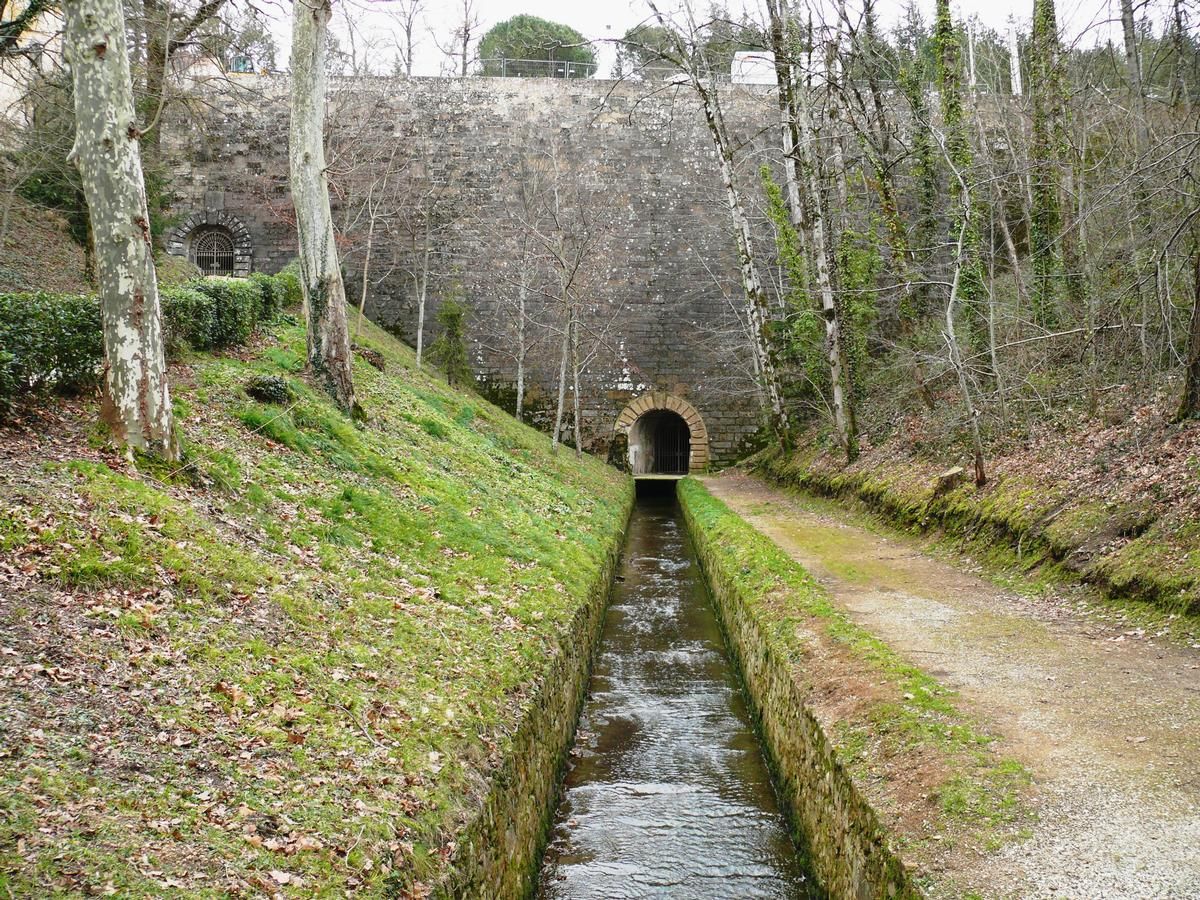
(292, 667)
(1117, 504)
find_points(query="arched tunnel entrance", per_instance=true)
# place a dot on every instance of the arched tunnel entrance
(665, 435)
(660, 443)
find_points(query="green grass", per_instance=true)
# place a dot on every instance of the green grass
(981, 795)
(301, 653)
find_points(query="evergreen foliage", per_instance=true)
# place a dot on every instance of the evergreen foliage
(53, 341)
(527, 37)
(449, 351)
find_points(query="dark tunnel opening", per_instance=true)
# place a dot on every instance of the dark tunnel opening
(660, 443)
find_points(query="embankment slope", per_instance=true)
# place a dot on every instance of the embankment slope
(307, 663)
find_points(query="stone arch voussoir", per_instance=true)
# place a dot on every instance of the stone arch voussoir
(179, 239)
(660, 400)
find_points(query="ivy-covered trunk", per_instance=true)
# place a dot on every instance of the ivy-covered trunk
(320, 270)
(959, 157)
(1056, 263)
(137, 402)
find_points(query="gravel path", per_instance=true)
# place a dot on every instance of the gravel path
(1108, 720)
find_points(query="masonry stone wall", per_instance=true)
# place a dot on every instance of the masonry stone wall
(626, 169)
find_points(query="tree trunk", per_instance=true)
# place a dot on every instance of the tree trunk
(156, 26)
(320, 269)
(1179, 43)
(1141, 139)
(1190, 403)
(843, 410)
(562, 382)
(137, 403)
(785, 79)
(960, 157)
(362, 303)
(575, 382)
(522, 292)
(756, 299)
(956, 360)
(422, 298)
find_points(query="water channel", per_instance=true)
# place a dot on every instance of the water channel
(667, 793)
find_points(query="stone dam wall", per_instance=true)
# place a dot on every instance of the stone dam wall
(513, 185)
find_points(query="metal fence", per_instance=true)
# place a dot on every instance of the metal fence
(535, 68)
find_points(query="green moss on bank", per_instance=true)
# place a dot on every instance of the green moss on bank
(1127, 549)
(293, 664)
(900, 719)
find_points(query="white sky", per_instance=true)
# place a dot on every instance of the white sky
(1082, 21)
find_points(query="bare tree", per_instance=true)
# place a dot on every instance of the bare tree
(457, 47)
(798, 140)
(137, 398)
(692, 62)
(167, 26)
(407, 14)
(320, 269)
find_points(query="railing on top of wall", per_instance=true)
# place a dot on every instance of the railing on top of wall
(535, 68)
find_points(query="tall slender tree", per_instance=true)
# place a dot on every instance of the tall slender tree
(320, 269)
(137, 401)
(1054, 245)
(798, 138)
(959, 156)
(692, 63)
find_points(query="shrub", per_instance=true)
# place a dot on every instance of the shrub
(289, 279)
(270, 389)
(237, 305)
(189, 319)
(449, 351)
(273, 296)
(55, 341)
(48, 340)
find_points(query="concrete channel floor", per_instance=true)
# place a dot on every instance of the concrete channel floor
(1105, 717)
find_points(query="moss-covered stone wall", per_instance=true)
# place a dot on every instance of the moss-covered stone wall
(848, 846)
(500, 852)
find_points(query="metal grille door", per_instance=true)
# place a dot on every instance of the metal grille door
(214, 253)
(672, 446)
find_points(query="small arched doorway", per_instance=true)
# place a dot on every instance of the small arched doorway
(217, 241)
(665, 435)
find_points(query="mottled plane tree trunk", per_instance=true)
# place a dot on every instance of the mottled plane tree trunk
(320, 270)
(137, 402)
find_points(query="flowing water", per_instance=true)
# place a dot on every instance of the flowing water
(667, 793)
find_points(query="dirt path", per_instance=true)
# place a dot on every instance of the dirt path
(1107, 720)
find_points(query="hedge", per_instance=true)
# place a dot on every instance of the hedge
(54, 342)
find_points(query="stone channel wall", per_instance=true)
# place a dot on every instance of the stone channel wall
(500, 853)
(848, 847)
(628, 170)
